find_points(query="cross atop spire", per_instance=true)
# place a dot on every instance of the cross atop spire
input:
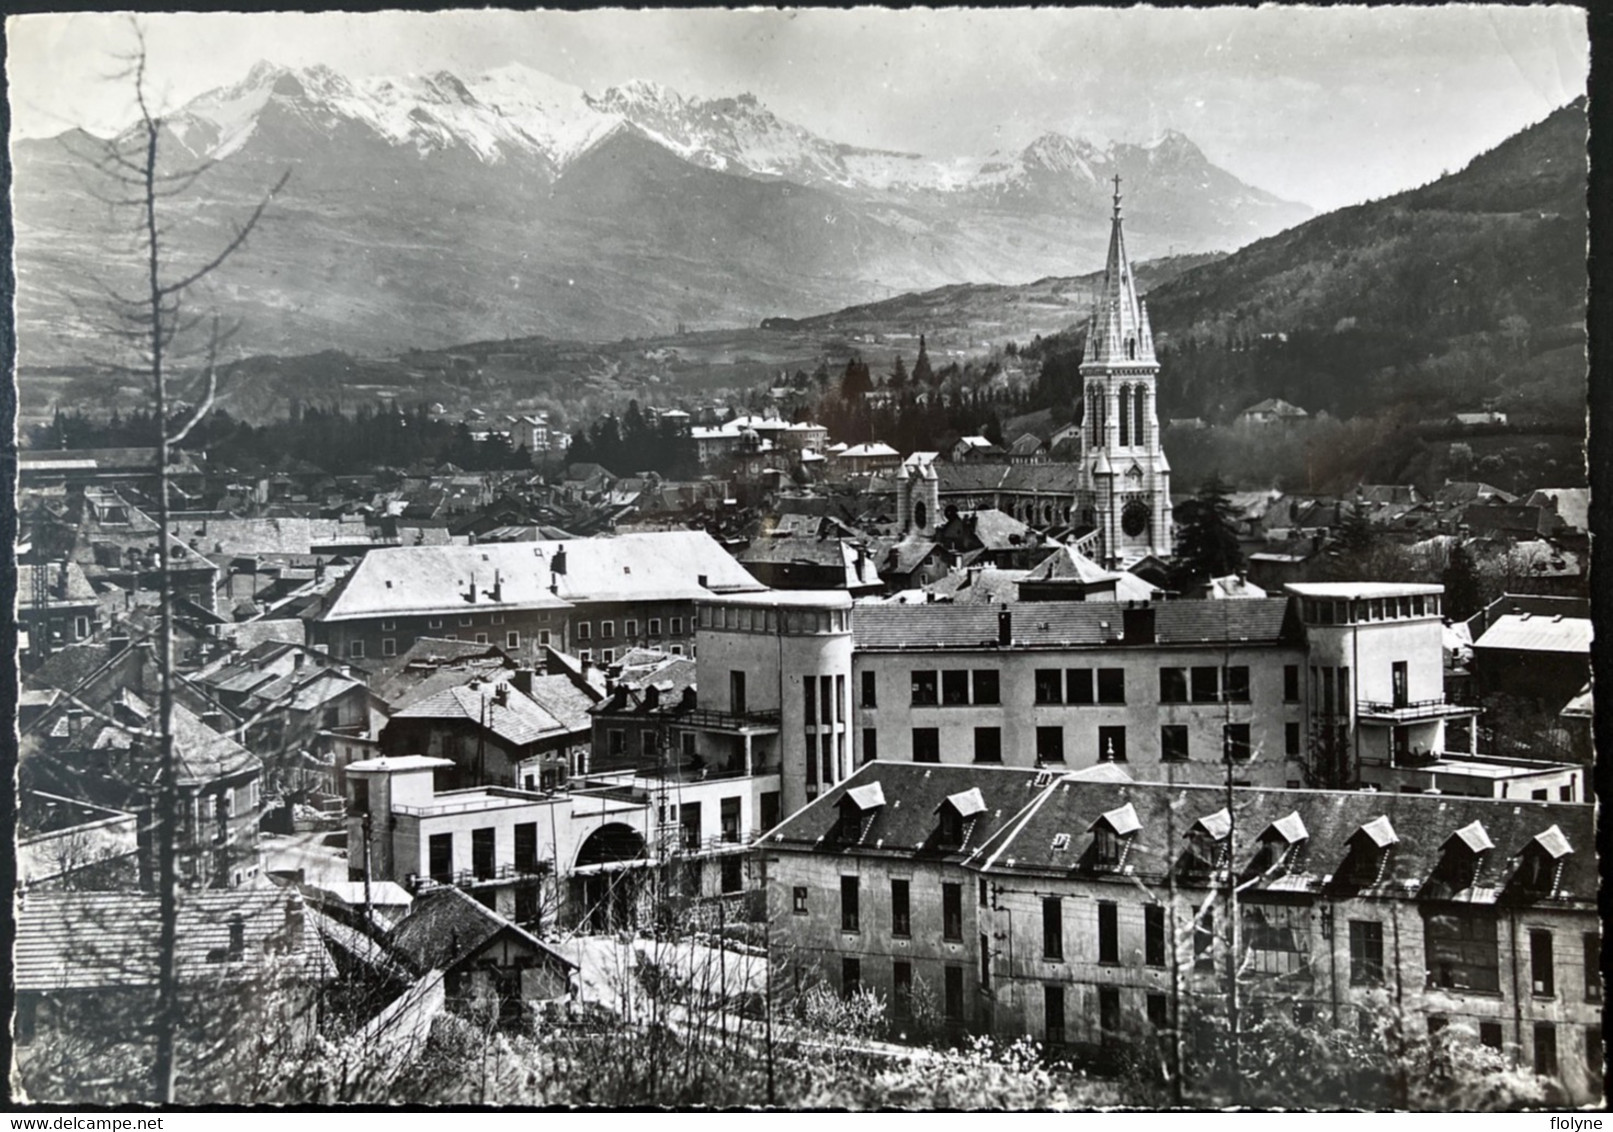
(1117, 196)
(1119, 330)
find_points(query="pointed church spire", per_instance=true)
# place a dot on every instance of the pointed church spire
(1121, 330)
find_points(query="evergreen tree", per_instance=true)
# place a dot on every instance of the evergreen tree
(922, 373)
(1461, 581)
(898, 377)
(856, 380)
(1207, 535)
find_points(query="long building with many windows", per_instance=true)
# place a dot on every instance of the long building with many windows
(1085, 910)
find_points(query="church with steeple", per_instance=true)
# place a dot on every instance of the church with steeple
(1124, 490)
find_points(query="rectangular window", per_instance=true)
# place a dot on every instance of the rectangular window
(1109, 1008)
(434, 623)
(985, 962)
(1291, 739)
(677, 626)
(1111, 685)
(1237, 684)
(1154, 935)
(512, 640)
(988, 688)
(828, 705)
(1366, 953)
(584, 631)
(1112, 744)
(1108, 932)
(543, 637)
(984, 889)
(1290, 683)
(481, 639)
(848, 904)
(441, 850)
(1235, 736)
(1545, 1049)
(736, 692)
(799, 900)
(355, 649)
(926, 745)
(466, 621)
(1173, 743)
(1173, 685)
(630, 628)
(809, 700)
(1542, 976)
(954, 687)
(388, 626)
(1204, 941)
(851, 976)
(1206, 685)
(988, 745)
(1050, 744)
(1490, 1035)
(526, 847)
(389, 646)
(728, 814)
(689, 818)
(869, 695)
(733, 873)
(870, 744)
(607, 630)
(952, 913)
(1053, 1014)
(616, 741)
(1078, 688)
(902, 988)
(647, 744)
(655, 626)
(1593, 966)
(1461, 950)
(901, 913)
(768, 805)
(1052, 928)
(953, 1005)
(1049, 686)
(925, 687)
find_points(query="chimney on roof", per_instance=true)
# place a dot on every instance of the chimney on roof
(117, 642)
(75, 723)
(294, 921)
(1005, 627)
(521, 679)
(296, 660)
(237, 936)
(501, 695)
(700, 580)
(1137, 623)
(214, 719)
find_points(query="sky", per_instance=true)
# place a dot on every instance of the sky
(1329, 106)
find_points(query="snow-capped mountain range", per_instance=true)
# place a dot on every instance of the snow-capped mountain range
(427, 209)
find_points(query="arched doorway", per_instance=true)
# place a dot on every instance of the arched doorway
(605, 877)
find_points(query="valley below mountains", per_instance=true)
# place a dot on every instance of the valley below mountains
(426, 211)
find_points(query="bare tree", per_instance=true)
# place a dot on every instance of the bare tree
(156, 324)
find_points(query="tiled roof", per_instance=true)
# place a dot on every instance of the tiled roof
(1066, 624)
(446, 926)
(91, 940)
(660, 565)
(1067, 564)
(518, 720)
(78, 588)
(1529, 633)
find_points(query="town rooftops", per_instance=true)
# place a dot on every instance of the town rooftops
(510, 715)
(781, 599)
(1525, 632)
(1057, 625)
(660, 565)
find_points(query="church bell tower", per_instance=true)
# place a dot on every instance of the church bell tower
(1125, 478)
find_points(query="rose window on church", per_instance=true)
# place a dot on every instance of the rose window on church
(1134, 518)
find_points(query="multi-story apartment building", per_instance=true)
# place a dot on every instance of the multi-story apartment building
(596, 597)
(1085, 910)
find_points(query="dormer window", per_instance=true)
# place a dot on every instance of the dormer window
(1541, 863)
(1112, 835)
(1370, 849)
(1282, 846)
(956, 814)
(1463, 856)
(1207, 842)
(858, 808)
